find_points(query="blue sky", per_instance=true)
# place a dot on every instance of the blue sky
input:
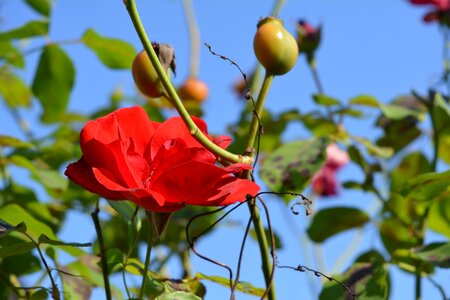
(375, 47)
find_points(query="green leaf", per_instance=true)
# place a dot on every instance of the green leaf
(436, 253)
(242, 286)
(41, 6)
(14, 214)
(50, 179)
(53, 82)
(14, 246)
(114, 53)
(6, 228)
(411, 166)
(43, 239)
(291, 166)
(14, 91)
(40, 294)
(10, 141)
(439, 216)
(396, 112)
(444, 145)
(379, 151)
(368, 281)
(178, 296)
(30, 29)
(365, 100)
(11, 55)
(125, 209)
(330, 221)
(320, 126)
(325, 100)
(427, 186)
(395, 235)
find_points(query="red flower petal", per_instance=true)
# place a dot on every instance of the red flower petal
(200, 183)
(82, 174)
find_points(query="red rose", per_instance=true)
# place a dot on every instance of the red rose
(439, 14)
(158, 166)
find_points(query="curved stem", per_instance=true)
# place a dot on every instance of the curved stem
(173, 96)
(194, 38)
(277, 7)
(256, 219)
(315, 74)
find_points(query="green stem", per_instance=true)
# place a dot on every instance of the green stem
(256, 219)
(194, 37)
(173, 96)
(150, 240)
(277, 7)
(98, 230)
(315, 74)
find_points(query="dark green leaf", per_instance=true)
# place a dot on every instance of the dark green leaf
(436, 253)
(243, 287)
(21, 264)
(178, 296)
(319, 126)
(14, 246)
(125, 209)
(30, 29)
(365, 100)
(114, 53)
(330, 221)
(408, 261)
(11, 55)
(13, 90)
(41, 6)
(411, 166)
(291, 166)
(393, 129)
(53, 82)
(367, 280)
(395, 235)
(43, 239)
(40, 294)
(325, 100)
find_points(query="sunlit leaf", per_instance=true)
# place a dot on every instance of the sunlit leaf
(325, 100)
(439, 216)
(243, 287)
(372, 149)
(291, 166)
(41, 6)
(408, 261)
(14, 214)
(114, 53)
(320, 126)
(10, 141)
(427, 186)
(365, 100)
(30, 29)
(51, 179)
(11, 55)
(367, 281)
(444, 145)
(13, 90)
(6, 228)
(53, 82)
(331, 221)
(436, 253)
(396, 112)
(178, 296)
(125, 209)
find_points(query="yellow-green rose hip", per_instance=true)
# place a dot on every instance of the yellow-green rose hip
(275, 48)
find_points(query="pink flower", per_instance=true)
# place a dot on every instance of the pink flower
(324, 182)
